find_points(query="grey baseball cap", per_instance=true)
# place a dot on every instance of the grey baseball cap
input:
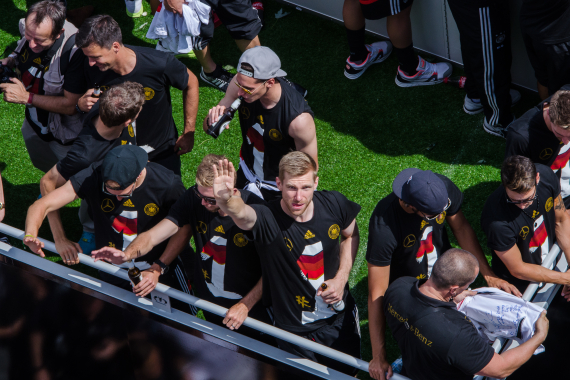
(261, 63)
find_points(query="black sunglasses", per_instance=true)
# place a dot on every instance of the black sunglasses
(435, 216)
(208, 200)
(522, 201)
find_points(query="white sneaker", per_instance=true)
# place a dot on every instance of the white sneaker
(474, 107)
(134, 8)
(377, 52)
(426, 75)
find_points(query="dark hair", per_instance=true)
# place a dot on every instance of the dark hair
(101, 30)
(120, 103)
(518, 174)
(53, 10)
(454, 268)
(560, 109)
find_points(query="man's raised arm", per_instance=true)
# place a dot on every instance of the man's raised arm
(228, 198)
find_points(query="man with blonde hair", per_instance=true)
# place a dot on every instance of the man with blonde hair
(305, 267)
(226, 266)
(543, 135)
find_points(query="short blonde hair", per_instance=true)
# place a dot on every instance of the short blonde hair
(560, 109)
(297, 164)
(205, 171)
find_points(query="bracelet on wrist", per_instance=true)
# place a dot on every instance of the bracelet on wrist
(30, 99)
(79, 109)
(28, 235)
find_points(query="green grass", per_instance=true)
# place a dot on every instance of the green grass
(368, 129)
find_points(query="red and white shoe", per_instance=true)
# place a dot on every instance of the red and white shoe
(377, 52)
(426, 75)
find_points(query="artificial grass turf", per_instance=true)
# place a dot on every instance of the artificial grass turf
(368, 129)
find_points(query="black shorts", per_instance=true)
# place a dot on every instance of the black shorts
(378, 9)
(238, 16)
(343, 335)
(551, 62)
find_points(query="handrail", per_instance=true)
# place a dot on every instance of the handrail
(211, 307)
(529, 293)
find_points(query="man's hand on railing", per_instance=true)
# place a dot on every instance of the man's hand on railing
(110, 255)
(148, 283)
(68, 249)
(235, 316)
(380, 369)
(496, 282)
(35, 245)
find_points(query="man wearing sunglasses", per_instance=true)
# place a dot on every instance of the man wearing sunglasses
(127, 195)
(523, 219)
(227, 270)
(407, 234)
(274, 118)
(543, 135)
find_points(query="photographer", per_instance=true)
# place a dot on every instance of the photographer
(40, 60)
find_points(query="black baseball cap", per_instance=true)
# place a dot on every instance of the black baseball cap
(421, 189)
(123, 165)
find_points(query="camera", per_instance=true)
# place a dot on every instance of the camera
(6, 73)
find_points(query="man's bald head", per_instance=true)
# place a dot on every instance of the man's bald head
(456, 267)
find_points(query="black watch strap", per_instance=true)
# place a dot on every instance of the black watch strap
(79, 109)
(163, 266)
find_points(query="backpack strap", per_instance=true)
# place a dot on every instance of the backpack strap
(51, 52)
(66, 54)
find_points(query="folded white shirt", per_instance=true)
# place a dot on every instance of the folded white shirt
(496, 313)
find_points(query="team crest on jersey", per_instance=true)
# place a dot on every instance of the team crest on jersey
(334, 231)
(151, 209)
(309, 235)
(288, 243)
(441, 217)
(524, 232)
(548, 205)
(148, 93)
(245, 113)
(220, 229)
(275, 135)
(423, 224)
(409, 241)
(545, 154)
(240, 240)
(131, 130)
(128, 203)
(107, 205)
(201, 227)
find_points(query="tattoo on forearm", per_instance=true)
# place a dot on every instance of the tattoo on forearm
(559, 204)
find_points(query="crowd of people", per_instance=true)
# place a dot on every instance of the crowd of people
(269, 245)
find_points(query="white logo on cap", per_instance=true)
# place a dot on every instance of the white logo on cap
(245, 72)
(409, 179)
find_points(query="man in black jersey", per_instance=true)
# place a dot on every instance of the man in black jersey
(523, 219)
(297, 238)
(543, 135)
(108, 125)
(104, 61)
(274, 118)
(407, 235)
(436, 340)
(226, 266)
(127, 196)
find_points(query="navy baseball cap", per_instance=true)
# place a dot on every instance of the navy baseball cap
(123, 165)
(421, 189)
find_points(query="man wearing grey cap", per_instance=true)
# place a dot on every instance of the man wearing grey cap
(127, 195)
(407, 234)
(274, 118)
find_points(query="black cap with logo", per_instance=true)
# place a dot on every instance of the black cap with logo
(421, 189)
(123, 165)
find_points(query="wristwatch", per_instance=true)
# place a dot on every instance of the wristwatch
(163, 266)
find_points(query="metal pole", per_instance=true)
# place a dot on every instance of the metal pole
(213, 308)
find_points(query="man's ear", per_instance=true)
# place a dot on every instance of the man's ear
(278, 183)
(537, 177)
(316, 182)
(116, 47)
(59, 35)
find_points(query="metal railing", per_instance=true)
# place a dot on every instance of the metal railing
(211, 307)
(503, 344)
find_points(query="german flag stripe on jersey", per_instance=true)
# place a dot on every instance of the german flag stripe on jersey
(311, 261)
(255, 135)
(561, 160)
(426, 245)
(216, 248)
(539, 236)
(126, 223)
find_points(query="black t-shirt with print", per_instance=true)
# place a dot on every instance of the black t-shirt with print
(532, 230)
(226, 264)
(267, 131)
(297, 258)
(408, 243)
(441, 345)
(156, 72)
(117, 223)
(545, 148)
(546, 20)
(27, 67)
(90, 147)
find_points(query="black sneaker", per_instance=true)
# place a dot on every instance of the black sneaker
(302, 90)
(220, 82)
